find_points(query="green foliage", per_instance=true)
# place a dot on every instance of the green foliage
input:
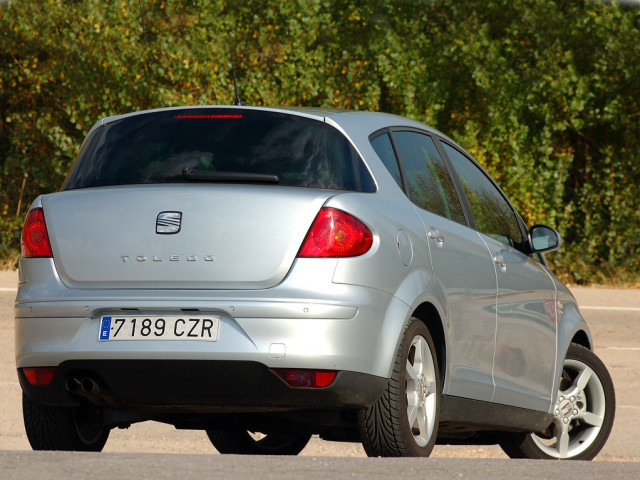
(545, 94)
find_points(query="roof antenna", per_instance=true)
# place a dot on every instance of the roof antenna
(238, 100)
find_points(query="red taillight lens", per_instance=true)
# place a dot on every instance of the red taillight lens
(335, 233)
(301, 378)
(39, 375)
(35, 240)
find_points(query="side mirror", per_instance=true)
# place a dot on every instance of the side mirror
(544, 239)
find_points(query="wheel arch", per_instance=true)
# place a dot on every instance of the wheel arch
(426, 300)
(582, 338)
(428, 314)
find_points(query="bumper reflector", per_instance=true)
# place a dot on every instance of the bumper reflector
(301, 378)
(39, 375)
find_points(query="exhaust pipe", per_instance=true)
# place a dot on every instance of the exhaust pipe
(72, 384)
(86, 386)
(90, 387)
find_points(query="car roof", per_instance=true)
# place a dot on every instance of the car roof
(348, 120)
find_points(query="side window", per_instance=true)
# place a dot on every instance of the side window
(493, 214)
(382, 145)
(430, 186)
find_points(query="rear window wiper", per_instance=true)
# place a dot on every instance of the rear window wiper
(193, 174)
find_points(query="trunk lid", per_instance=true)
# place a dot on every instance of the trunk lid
(210, 236)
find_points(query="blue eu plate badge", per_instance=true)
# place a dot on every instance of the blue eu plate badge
(105, 328)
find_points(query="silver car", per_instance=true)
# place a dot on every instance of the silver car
(269, 274)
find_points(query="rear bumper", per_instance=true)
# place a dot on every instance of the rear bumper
(307, 322)
(198, 386)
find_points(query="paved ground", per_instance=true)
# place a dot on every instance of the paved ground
(613, 315)
(147, 466)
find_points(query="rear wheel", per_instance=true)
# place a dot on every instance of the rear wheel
(64, 428)
(583, 413)
(404, 420)
(242, 442)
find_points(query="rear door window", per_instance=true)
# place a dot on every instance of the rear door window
(155, 147)
(430, 185)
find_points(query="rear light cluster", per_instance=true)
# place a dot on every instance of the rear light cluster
(302, 378)
(335, 233)
(35, 240)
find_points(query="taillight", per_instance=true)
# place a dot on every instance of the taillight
(35, 240)
(335, 233)
(303, 378)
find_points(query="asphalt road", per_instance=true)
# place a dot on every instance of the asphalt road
(117, 466)
(157, 451)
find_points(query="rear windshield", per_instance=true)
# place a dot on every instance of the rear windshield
(156, 147)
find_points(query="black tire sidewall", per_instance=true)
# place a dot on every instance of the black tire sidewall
(56, 428)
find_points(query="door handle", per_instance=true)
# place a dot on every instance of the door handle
(500, 261)
(437, 236)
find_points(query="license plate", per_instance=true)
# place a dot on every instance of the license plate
(171, 327)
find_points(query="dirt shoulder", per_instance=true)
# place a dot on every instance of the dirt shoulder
(612, 297)
(8, 279)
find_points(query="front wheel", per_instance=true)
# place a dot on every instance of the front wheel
(583, 413)
(242, 442)
(404, 420)
(64, 428)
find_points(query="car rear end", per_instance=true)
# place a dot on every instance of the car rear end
(187, 267)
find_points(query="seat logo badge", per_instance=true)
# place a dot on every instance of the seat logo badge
(168, 223)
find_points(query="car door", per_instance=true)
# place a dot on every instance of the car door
(459, 259)
(525, 355)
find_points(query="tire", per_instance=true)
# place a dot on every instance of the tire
(403, 422)
(583, 413)
(64, 428)
(242, 442)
